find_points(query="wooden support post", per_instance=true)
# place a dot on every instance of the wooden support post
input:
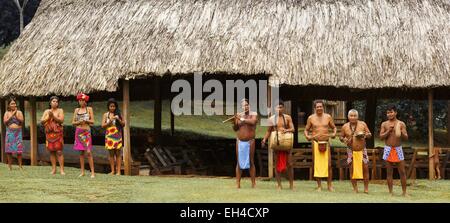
(370, 113)
(157, 110)
(22, 108)
(430, 135)
(270, 152)
(172, 123)
(294, 115)
(126, 129)
(172, 118)
(33, 133)
(3, 129)
(448, 122)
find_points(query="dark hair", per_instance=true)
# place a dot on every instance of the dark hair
(116, 112)
(317, 102)
(391, 108)
(11, 99)
(50, 102)
(113, 101)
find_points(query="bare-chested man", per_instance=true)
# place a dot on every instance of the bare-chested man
(393, 132)
(354, 134)
(245, 125)
(319, 125)
(284, 125)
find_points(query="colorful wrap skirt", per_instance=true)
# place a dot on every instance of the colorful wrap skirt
(113, 138)
(83, 139)
(393, 154)
(13, 141)
(54, 135)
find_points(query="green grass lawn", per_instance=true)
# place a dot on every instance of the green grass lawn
(35, 184)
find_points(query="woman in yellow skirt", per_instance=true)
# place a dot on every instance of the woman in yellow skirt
(113, 124)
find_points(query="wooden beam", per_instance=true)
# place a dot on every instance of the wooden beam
(157, 110)
(430, 135)
(270, 152)
(33, 133)
(22, 108)
(3, 129)
(126, 129)
(370, 113)
(294, 115)
(172, 116)
(448, 122)
(172, 123)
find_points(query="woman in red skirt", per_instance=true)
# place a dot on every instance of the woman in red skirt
(52, 120)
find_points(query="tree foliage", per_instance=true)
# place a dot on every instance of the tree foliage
(10, 20)
(413, 113)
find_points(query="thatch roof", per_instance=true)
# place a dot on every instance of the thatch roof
(85, 45)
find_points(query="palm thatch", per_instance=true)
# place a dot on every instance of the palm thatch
(85, 45)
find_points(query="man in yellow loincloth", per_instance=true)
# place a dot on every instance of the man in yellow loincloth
(354, 134)
(319, 125)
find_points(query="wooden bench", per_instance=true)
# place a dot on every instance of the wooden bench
(418, 161)
(302, 159)
(444, 159)
(339, 160)
(167, 160)
(375, 160)
(156, 167)
(184, 157)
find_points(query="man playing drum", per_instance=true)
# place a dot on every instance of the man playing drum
(280, 131)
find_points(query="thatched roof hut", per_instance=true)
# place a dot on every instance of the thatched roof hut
(84, 45)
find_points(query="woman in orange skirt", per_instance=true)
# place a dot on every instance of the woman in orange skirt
(52, 120)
